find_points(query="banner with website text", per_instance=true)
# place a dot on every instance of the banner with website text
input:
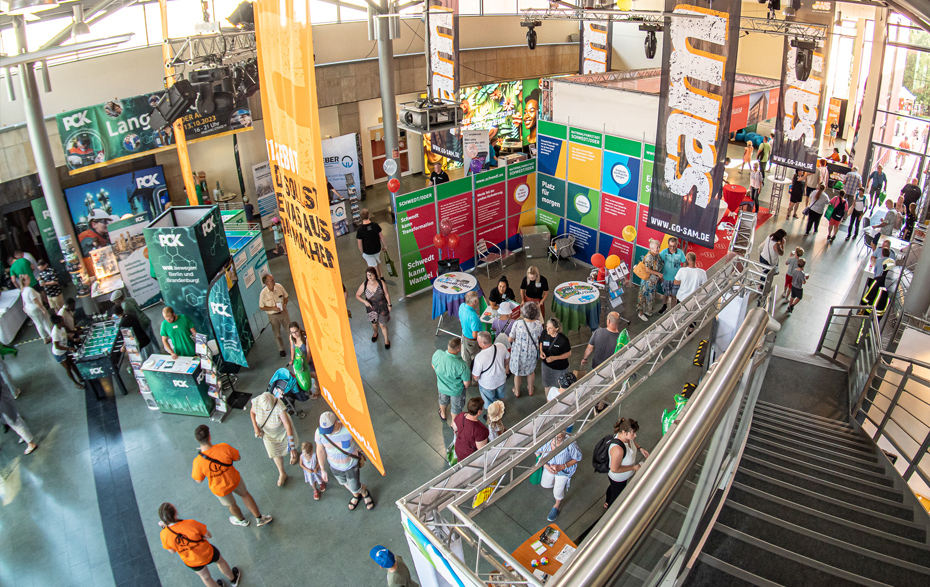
(292, 132)
(443, 39)
(797, 126)
(698, 74)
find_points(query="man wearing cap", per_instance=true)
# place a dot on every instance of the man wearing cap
(471, 325)
(603, 342)
(131, 307)
(452, 377)
(398, 575)
(97, 235)
(490, 370)
(273, 300)
(335, 444)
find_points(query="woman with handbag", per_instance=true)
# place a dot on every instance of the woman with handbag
(816, 209)
(335, 445)
(272, 424)
(652, 264)
(374, 294)
(837, 212)
(524, 347)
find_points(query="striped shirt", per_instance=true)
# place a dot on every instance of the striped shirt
(569, 453)
(851, 183)
(337, 460)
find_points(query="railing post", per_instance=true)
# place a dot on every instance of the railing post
(826, 327)
(894, 401)
(839, 342)
(920, 453)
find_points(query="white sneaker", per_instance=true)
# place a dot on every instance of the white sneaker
(643, 318)
(266, 519)
(235, 522)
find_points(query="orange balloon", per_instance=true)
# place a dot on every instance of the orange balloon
(597, 260)
(613, 262)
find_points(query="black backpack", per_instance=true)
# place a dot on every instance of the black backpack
(601, 456)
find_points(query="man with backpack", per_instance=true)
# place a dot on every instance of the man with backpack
(214, 462)
(615, 454)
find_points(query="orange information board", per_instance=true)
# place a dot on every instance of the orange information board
(292, 133)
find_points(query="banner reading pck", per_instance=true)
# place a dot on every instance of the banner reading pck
(698, 72)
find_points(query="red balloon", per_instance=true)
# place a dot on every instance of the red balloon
(393, 185)
(445, 226)
(439, 241)
(453, 240)
(597, 260)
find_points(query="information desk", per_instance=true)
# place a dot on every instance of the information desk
(179, 385)
(98, 355)
(555, 552)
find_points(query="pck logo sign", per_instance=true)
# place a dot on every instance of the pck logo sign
(75, 120)
(208, 226)
(147, 181)
(179, 383)
(96, 370)
(170, 240)
(220, 309)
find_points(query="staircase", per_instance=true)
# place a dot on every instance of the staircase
(814, 503)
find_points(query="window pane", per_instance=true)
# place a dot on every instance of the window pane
(349, 14)
(906, 81)
(469, 7)
(539, 4)
(900, 132)
(842, 60)
(500, 6)
(321, 12)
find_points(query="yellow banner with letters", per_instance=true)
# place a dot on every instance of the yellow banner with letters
(292, 133)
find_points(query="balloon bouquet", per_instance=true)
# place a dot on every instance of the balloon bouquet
(446, 238)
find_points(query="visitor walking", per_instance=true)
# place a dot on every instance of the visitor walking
(554, 351)
(491, 368)
(470, 320)
(452, 377)
(796, 195)
(277, 231)
(647, 288)
(603, 342)
(273, 425)
(313, 472)
(470, 434)
(273, 300)
(370, 241)
(48, 280)
(816, 209)
(811, 181)
(177, 334)
(398, 575)
(534, 288)
(622, 452)
(557, 472)
(792, 264)
(11, 417)
(747, 156)
(855, 214)
(837, 215)
(755, 185)
(852, 181)
(374, 294)
(34, 308)
(189, 538)
(214, 462)
(672, 260)
(524, 347)
(62, 348)
(798, 279)
(335, 445)
(765, 149)
(877, 181)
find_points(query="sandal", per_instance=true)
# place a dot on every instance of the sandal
(322, 487)
(32, 448)
(353, 502)
(369, 502)
(516, 392)
(282, 479)
(440, 416)
(316, 494)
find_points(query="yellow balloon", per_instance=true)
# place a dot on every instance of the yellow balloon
(613, 262)
(624, 4)
(629, 233)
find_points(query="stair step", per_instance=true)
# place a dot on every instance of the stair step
(712, 572)
(822, 549)
(835, 475)
(814, 496)
(829, 486)
(865, 461)
(775, 564)
(851, 533)
(782, 454)
(812, 437)
(800, 421)
(775, 408)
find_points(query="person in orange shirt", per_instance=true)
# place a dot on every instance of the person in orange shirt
(215, 463)
(189, 538)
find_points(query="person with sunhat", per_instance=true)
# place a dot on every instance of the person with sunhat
(398, 575)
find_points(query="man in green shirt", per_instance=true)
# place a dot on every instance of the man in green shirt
(398, 575)
(765, 149)
(177, 334)
(452, 377)
(21, 266)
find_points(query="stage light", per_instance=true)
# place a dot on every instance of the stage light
(243, 16)
(804, 59)
(79, 28)
(531, 32)
(245, 78)
(651, 44)
(791, 7)
(173, 105)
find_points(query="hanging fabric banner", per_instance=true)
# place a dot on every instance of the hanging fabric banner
(595, 46)
(443, 46)
(797, 126)
(698, 73)
(228, 317)
(295, 152)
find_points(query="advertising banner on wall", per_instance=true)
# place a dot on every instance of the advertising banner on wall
(292, 131)
(416, 227)
(521, 200)
(266, 200)
(595, 46)
(698, 74)
(552, 149)
(797, 126)
(342, 163)
(119, 130)
(133, 259)
(476, 148)
(443, 70)
(49, 239)
(531, 107)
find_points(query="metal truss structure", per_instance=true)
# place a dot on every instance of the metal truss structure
(769, 26)
(211, 50)
(444, 508)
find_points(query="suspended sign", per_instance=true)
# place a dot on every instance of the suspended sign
(443, 45)
(698, 73)
(797, 127)
(595, 47)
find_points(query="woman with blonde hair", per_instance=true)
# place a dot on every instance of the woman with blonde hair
(554, 350)
(272, 424)
(534, 288)
(647, 288)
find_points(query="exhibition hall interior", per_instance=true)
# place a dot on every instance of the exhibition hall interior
(465, 293)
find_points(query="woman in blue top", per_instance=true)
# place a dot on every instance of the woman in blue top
(672, 258)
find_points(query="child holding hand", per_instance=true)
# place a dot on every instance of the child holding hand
(798, 279)
(313, 473)
(792, 264)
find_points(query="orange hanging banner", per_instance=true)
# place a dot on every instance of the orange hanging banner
(292, 133)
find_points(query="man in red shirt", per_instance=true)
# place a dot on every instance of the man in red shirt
(215, 463)
(470, 434)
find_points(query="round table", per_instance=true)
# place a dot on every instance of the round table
(577, 304)
(733, 195)
(449, 292)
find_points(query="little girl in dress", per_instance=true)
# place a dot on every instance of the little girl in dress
(313, 473)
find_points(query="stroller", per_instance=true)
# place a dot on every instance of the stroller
(283, 385)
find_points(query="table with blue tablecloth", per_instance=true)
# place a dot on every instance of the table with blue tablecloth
(449, 290)
(577, 304)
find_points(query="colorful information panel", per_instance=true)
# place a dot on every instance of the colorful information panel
(489, 206)
(551, 149)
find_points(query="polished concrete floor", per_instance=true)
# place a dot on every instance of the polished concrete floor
(82, 509)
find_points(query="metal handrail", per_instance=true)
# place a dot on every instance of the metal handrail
(623, 527)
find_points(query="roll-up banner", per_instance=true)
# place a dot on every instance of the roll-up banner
(797, 127)
(132, 257)
(698, 73)
(595, 46)
(228, 316)
(443, 25)
(292, 131)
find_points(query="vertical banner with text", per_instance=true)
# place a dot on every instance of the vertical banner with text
(797, 126)
(698, 74)
(595, 46)
(443, 52)
(292, 132)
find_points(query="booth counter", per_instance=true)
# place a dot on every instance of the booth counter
(178, 385)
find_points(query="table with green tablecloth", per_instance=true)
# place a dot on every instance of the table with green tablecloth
(577, 304)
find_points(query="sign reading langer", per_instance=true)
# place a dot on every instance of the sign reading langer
(698, 72)
(292, 132)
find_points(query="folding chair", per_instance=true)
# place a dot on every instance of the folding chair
(562, 247)
(489, 253)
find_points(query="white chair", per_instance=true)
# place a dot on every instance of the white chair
(488, 254)
(562, 247)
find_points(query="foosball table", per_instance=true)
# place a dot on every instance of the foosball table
(98, 355)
